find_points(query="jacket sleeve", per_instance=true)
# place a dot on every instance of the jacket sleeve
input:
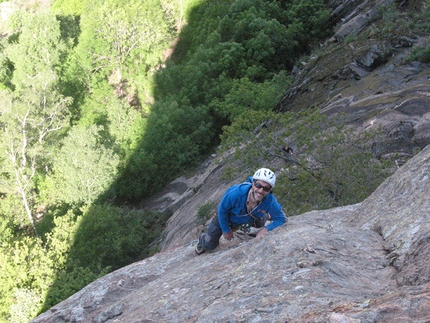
(277, 215)
(224, 207)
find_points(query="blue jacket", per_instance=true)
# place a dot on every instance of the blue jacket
(232, 208)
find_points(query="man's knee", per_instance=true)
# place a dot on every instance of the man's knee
(208, 242)
(210, 239)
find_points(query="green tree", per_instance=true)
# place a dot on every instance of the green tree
(84, 166)
(70, 7)
(38, 273)
(176, 134)
(69, 277)
(110, 237)
(115, 61)
(34, 111)
(5, 66)
(128, 45)
(26, 277)
(245, 96)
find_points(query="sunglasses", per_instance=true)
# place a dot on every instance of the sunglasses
(265, 188)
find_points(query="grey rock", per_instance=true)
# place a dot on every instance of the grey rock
(356, 15)
(376, 56)
(373, 90)
(367, 262)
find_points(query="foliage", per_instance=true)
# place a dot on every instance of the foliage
(111, 237)
(12, 216)
(126, 47)
(421, 54)
(245, 96)
(404, 18)
(123, 125)
(397, 19)
(206, 210)
(175, 132)
(418, 18)
(68, 7)
(85, 166)
(230, 59)
(324, 163)
(34, 110)
(69, 276)
(26, 304)
(113, 65)
(32, 268)
(6, 67)
(25, 271)
(68, 283)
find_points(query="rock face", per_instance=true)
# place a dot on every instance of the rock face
(367, 79)
(367, 262)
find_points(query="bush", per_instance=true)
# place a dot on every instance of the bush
(27, 274)
(206, 210)
(421, 54)
(111, 237)
(327, 164)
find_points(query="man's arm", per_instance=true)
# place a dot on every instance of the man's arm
(223, 211)
(262, 232)
(277, 215)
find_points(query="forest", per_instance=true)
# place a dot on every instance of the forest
(103, 103)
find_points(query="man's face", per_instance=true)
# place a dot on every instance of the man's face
(260, 189)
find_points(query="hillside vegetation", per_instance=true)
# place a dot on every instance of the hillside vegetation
(104, 103)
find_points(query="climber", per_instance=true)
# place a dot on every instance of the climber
(244, 206)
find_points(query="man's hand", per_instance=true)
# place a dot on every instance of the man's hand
(228, 235)
(262, 232)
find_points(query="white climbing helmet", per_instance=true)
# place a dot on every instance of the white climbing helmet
(266, 175)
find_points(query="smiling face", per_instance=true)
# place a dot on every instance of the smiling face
(260, 190)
